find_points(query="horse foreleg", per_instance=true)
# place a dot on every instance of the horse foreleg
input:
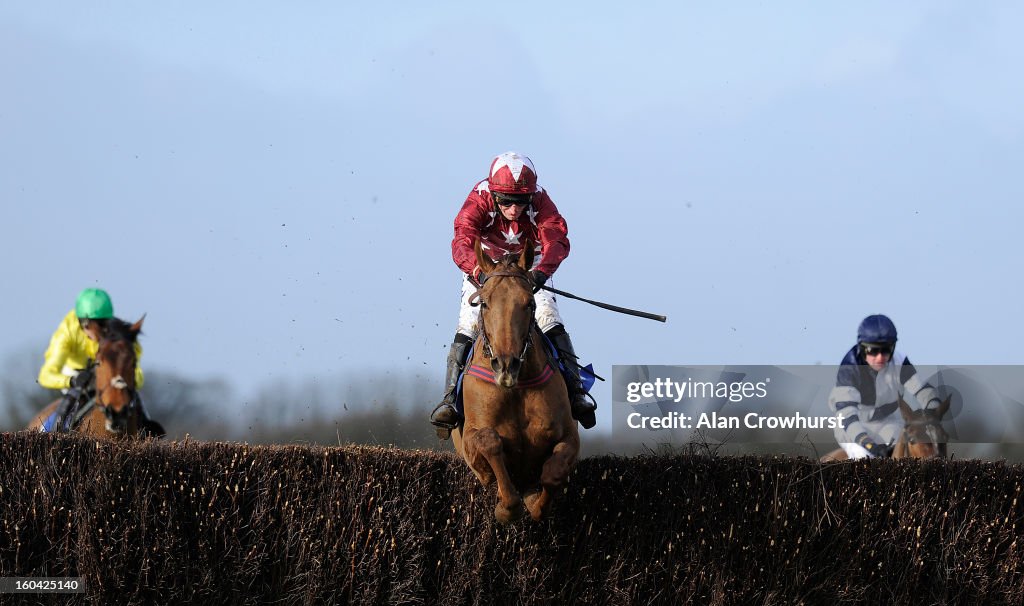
(487, 443)
(553, 476)
(467, 447)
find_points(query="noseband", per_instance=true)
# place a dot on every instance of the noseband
(485, 341)
(926, 424)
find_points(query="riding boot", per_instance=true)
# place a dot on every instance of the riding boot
(445, 416)
(582, 409)
(65, 408)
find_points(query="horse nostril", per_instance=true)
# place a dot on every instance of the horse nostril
(494, 365)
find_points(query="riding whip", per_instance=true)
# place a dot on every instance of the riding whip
(621, 310)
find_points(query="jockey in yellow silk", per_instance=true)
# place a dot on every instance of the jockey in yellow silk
(68, 360)
(75, 342)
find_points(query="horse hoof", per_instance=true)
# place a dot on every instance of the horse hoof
(535, 504)
(507, 515)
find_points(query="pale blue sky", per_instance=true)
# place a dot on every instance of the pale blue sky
(274, 184)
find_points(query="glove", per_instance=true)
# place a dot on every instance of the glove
(478, 277)
(83, 380)
(876, 450)
(879, 451)
(539, 278)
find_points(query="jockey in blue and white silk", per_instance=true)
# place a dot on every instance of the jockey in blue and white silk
(868, 402)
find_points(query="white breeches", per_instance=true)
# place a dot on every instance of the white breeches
(469, 316)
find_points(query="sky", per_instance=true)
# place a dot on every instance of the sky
(274, 185)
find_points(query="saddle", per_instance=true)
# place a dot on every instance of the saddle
(587, 375)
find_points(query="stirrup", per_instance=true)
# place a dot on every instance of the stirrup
(443, 430)
(587, 418)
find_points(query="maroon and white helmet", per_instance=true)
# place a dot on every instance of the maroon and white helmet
(512, 173)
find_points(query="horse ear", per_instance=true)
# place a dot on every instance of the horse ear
(526, 257)
(482, 260)
(944, 407)
(905, 409)
(137, 327)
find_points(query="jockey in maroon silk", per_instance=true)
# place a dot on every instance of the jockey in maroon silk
(540, 222)
(505, 211)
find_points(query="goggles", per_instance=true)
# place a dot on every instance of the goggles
(505, 200)
(874, 350)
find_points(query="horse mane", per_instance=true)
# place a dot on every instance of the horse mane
(510, 260)
(507, 259)
(117, 329)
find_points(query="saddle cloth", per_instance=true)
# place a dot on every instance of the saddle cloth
(587, 376)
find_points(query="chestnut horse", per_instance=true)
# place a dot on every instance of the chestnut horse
(518, 430)
(922, 437)
(115, 407)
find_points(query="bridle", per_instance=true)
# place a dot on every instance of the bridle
(477, 299)
(118, 382)
(927, 423)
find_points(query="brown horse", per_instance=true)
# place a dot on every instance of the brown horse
(115, 409)
(518, 430)
(922, 437)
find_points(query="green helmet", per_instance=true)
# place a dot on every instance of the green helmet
(94, 304)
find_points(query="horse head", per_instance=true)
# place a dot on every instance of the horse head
(506, 312)
(115, 374)
(923, 436)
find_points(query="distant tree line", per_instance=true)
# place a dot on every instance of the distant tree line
(374, 408)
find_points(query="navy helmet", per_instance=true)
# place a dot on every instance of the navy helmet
(876, 329)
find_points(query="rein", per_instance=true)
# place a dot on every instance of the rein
(477, 299)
